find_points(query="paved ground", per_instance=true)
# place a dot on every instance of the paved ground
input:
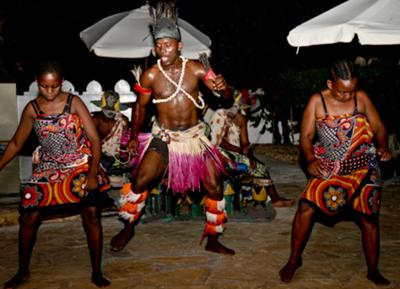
(168, 255)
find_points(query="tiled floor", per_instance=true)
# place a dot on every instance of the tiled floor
(166, 253)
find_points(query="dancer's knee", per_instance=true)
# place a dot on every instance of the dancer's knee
(368, 223)
(214, 190)
(305, 209)
(29, 219)
(91, 215)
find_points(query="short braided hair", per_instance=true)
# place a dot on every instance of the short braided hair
(342, 69)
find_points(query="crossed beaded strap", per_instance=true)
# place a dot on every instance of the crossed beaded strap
(178, 86)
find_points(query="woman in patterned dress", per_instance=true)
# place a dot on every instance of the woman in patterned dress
(66, 168)
(343, 166)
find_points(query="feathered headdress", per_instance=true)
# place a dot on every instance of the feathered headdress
(165, 21)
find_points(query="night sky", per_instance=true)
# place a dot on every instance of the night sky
(248, 38)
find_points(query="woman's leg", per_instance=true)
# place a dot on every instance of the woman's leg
(370, 240)
(29, 223)
(91, 221)
(301, 230)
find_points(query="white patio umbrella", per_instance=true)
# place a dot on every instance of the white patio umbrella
(128, 35)
(376, 22)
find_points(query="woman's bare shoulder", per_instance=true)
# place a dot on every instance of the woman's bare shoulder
(363, 101)
(315, 99)
(29, 109)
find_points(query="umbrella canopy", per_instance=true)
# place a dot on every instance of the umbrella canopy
(376, 22)
(128, 35)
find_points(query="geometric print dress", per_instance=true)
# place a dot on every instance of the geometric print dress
(346, 149)
(60, 163)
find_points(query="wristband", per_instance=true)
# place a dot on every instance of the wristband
(210, 74)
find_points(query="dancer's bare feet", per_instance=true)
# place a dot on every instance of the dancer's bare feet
(287, 272)
(282, 203)
(119, 241)
(17, 280)
(214, 246)
(99, 280)
(377, 278)
(277, 200)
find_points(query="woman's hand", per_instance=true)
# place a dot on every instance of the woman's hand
(247, 151)
(384, 154)
(91, 182)
(317, 169)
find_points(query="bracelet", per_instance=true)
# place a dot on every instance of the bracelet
(210, 74)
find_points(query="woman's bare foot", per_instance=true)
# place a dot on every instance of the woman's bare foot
(287, 272)
(377, 278)
(282, 203)
(17, 280)
(214, 246)
(119, 241)
(100, 281)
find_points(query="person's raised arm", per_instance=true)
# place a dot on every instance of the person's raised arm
(220, 85)
(21, 135)
(377, 126)
(215, 82)
(139, 108)
(89, 127)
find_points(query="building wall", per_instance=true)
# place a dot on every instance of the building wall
(8, 111)
(9, 176)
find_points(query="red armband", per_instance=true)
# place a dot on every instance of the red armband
(210, 74)
(141, 90)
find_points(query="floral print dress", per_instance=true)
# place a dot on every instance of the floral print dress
(346, 149)
(60, 163)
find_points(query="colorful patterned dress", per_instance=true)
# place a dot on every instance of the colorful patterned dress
(60, 163)
(345, 147)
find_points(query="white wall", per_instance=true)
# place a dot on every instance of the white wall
(9, 177)
(8, 111)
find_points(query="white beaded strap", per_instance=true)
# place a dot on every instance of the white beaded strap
(178, 86)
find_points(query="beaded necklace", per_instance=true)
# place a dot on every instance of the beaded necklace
(178, 86)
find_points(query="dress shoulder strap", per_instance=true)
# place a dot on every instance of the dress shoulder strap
(68, 104)
(355, 104)
(323, 103)
(36, 107)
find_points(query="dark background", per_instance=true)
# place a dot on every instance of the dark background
(249, 48)
(249, 43)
